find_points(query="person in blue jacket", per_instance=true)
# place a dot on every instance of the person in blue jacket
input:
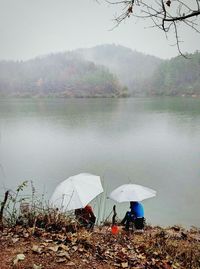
(135, 215)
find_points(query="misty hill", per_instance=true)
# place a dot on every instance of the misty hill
(99, 72)
(134, 69)
(61, 74)
(177, 76)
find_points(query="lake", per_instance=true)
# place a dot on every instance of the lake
(154, 142)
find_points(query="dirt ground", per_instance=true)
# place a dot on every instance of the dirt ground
(155, 247)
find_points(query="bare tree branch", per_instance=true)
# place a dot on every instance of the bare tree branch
(165, 14)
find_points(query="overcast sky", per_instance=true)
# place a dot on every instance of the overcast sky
(29, 28)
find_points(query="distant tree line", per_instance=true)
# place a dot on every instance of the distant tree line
(100, 72)
(178, 76)
(149, 75)
(61, 75)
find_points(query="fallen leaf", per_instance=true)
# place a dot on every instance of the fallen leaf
(48, 240)
(19, 257)
(75, 248)
(54, 248)
(124, 264)
(37, 266)
(26, 235)
(60, 260)
(168, 3)
(63, 254)
(14, 240)
(36, 249)
(140, 256)
(70, 263)
(64, 247)
(124, 250)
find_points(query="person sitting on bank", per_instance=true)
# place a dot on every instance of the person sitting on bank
(85, 216)
(135, 215)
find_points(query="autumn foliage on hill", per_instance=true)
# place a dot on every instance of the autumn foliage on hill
(61, 75)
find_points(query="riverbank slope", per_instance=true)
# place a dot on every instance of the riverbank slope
(155, 247)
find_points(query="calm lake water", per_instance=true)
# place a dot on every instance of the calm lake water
(150, 141)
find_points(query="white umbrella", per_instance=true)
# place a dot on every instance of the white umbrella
(131, 192)
(76, 192)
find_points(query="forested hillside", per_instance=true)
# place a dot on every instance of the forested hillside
(178, 76)
(148, 75)
(100, 72)
(134, 69)
(61, 74)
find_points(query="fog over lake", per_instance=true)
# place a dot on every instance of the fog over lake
(150, 141)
